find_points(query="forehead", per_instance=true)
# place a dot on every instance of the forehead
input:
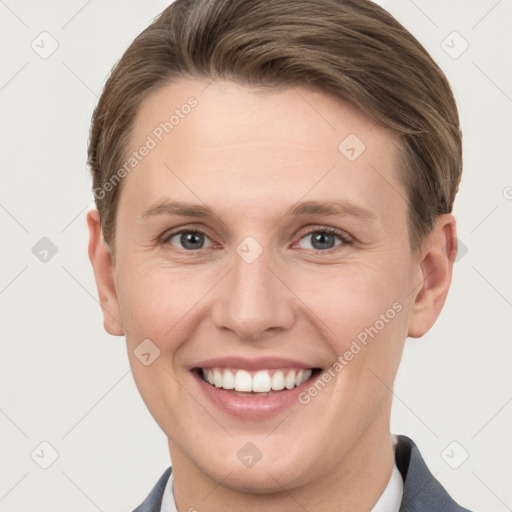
(237, 147)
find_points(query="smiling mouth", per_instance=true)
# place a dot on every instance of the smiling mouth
(256, 383)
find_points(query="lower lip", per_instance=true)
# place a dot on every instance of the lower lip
(252, 407)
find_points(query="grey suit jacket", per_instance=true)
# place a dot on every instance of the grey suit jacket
(422, 492)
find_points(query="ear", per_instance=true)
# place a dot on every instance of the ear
(436, 257)
(103, 268)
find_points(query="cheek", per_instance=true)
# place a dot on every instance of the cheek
(156, 301)
(351, 302)
(364, 317)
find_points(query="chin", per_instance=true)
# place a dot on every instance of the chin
(263, 479)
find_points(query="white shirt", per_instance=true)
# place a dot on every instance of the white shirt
(389, 500)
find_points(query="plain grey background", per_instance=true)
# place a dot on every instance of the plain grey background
(66, 383)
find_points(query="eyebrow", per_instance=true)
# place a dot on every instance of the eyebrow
(345, 208)
(178, 208)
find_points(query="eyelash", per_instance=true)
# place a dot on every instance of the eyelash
(344, 238)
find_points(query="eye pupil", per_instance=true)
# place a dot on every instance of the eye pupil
(322, 240)
(192, 240)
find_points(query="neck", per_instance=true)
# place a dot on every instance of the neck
(357, 481)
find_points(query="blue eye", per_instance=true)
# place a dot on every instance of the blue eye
(322, 240)
(189, 240)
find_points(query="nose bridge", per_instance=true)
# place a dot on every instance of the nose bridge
(253, 300)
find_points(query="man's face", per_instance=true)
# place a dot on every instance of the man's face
(304, 257)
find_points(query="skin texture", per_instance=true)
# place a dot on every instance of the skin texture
(250, 156)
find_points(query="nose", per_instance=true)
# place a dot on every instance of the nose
(253, 300)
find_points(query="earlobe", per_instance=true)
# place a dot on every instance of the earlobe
(437, 256)
(103, 268)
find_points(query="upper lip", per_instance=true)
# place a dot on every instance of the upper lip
(261, 363)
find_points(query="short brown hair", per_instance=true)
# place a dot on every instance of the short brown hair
(352, 49)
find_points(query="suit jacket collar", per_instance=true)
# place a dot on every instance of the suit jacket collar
(422, 492)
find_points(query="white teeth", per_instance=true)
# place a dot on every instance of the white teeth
(217, 378)
(306, 375)
(243, 381)
(228, 380)
(261, 382)
(289, 381)
(278, 381)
